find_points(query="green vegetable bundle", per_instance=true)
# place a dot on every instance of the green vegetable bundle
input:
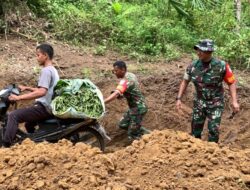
(77, 98)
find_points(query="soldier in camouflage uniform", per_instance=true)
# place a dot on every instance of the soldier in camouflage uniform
(207, 75)
(129, 88)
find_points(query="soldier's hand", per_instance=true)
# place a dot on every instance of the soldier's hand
(119, 95)
(236, 107)
(178, 105)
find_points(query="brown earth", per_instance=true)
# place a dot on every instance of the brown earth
(164, 160)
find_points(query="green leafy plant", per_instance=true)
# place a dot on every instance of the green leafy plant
(86, 72)
(117, 7)
(100, 50)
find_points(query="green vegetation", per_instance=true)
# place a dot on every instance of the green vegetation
(154, 28)
(84, 101)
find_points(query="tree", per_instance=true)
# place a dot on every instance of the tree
(237, 4)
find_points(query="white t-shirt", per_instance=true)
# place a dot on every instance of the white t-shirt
(48, 79)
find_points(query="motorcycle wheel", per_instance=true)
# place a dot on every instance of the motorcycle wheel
(88, 136)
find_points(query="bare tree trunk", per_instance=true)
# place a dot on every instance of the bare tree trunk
(237, 4)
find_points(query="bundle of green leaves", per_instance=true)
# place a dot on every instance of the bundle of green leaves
(84, 101)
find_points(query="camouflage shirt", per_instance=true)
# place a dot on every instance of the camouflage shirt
(129, 88)
(208, 78)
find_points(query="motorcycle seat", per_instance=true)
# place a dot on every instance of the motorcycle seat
(56, 121)
(49, 121)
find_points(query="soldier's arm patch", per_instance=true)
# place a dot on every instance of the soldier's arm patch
(122, 86)
(229, 76)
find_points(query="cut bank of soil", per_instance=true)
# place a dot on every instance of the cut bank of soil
(163, 160)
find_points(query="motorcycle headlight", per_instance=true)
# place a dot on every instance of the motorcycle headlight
(3, 92)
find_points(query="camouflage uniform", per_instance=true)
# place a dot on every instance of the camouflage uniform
(132, 119)
(209, 97)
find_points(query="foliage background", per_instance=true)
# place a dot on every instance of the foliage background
(150, 28)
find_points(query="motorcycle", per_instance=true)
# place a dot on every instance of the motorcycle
(88, 131)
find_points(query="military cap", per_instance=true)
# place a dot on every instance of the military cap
(205, 45)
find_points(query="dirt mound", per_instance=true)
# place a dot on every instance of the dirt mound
(174, 160)
(162, 160)
(51, 166)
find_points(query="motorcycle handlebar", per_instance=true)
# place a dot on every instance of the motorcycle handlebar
(16, 90)
(8, 90)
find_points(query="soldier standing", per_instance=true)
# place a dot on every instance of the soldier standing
(129, 88)
(208, 74)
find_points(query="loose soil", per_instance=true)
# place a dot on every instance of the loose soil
(168, 158)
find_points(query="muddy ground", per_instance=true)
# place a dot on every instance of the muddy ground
(167, 159)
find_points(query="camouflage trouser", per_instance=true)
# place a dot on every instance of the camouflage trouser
(131, 121)
(207, 109)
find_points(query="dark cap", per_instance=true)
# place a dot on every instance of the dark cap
(205, 45)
